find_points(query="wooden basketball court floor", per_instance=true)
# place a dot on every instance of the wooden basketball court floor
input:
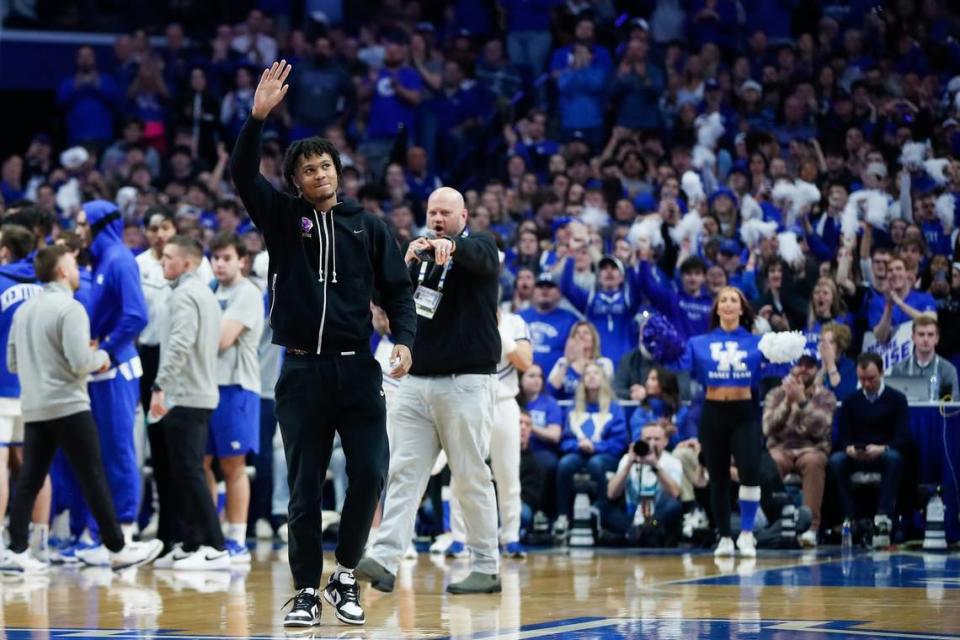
(551, 594)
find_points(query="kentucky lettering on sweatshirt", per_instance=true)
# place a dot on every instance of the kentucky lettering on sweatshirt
(723, 358)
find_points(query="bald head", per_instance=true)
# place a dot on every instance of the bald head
(446, 212)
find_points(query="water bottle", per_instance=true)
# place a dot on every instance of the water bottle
(934, 387)
(846, 537)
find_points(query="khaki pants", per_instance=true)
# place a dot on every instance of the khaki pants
(454, 413)
(811, 464)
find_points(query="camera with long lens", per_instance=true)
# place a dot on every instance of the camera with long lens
(640, 448)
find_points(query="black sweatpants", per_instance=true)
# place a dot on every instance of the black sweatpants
(77, 434)
(169, 521)
(729, 428)
(318, 396)
(150, 362)
(185, 430)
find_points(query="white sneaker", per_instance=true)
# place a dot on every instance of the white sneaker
(203, 559)
(747, 545)
(725, 548)
(22, 562)
(808, 539)
(135, 554)
(97, 556)
(282, 531)
(166, 561)
(441, 543)
(410, 553)
(239, 554)
(263, 530)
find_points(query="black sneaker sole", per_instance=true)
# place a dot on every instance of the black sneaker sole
(336, 611)
(461, 592)
(301, 623)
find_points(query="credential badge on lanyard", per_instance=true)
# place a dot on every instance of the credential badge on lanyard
(427, 300)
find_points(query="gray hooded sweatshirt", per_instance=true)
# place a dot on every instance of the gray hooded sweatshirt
(189, 345)
(49, 348)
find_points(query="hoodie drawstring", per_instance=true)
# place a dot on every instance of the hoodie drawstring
(333, 248)
(320, 233)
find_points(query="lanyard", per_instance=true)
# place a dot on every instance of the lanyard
(443, 276)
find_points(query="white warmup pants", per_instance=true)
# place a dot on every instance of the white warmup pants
(454, 413)
(505, 460)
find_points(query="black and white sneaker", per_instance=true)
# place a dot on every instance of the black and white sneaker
(343, 594)
(305, 611)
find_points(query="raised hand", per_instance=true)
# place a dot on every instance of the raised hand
(271, 89)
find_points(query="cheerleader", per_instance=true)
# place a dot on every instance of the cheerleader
(726, 361)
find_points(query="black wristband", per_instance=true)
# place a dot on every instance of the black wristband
(155, 387)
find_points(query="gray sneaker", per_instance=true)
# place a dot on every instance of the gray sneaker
(476, 583)
(376, 574)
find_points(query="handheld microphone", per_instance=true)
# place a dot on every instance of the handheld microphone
(426, 254)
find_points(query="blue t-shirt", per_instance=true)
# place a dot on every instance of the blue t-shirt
(549, 331)
(387, 110)
(544, 411)
(919, 300)
(724, 358)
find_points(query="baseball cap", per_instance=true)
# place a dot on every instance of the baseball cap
(545, 279)
(949, 122)
(711, 84)
(751, 84)
(877, 169)
(730, 246)
(614, 260)
(74, 158)
(640, 23)
(41, 138)
(807, 360)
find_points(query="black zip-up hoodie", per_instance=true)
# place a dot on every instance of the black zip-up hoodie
(462, 336)
(324, 265)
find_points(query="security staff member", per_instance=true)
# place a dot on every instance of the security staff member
(447, 401)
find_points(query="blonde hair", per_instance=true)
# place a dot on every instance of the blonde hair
(595, 353)
(836, 305)
(604, 395)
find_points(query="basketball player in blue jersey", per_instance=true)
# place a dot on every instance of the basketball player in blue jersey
(118, 315)
(18, 283)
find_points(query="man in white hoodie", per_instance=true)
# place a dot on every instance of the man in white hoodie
(50, 349)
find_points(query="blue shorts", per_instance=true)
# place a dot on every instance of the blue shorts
(235, 424)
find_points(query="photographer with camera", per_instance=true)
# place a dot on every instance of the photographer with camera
(648, 479)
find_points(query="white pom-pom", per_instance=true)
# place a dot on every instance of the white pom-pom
(646, 231)
(789, 248)
(750, 209)
(127, 200)
(797, 196)
(946, 208)
(782, 347)
(692, 187)
(709, 130)
(783, 190)
(690, 227)
(595, 218)
(871, 205)
(752, 231)
(878, 208)
(703, 158)
(936, 168)
(912, 154)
